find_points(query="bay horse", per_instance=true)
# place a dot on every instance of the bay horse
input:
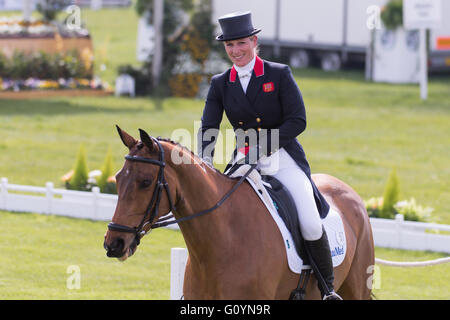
(235, 250)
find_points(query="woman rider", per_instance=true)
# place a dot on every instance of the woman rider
(261, 99)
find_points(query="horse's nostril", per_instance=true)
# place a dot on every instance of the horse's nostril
(118, 243)
(115, 249)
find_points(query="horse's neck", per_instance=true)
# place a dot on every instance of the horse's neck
(201, 188)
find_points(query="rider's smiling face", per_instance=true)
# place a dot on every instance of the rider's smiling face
(241, 51)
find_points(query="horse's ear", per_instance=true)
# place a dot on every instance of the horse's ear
(145, 138)
(127, 140)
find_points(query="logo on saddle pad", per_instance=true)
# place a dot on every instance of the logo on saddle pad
(337, 251)
(340, 239)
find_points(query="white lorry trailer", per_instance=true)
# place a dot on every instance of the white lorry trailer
(329, 31)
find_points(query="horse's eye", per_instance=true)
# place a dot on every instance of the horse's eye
(145, 183)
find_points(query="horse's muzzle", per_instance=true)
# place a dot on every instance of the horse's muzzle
(117, 249)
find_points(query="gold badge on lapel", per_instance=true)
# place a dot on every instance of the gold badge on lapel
(268, 87)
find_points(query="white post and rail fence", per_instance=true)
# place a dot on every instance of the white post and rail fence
(387, 233)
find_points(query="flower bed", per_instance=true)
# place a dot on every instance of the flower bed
(38, 36)
(45, 65)
(32, 70)
(44, 94)
(39, 55)
(408, 208)
(15, 27)
(48, 84)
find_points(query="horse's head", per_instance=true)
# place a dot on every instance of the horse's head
(145, 187)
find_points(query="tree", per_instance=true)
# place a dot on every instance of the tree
(173, 19)
(188, 41)
(392, 14)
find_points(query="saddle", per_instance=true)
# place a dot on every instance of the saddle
(285, 206)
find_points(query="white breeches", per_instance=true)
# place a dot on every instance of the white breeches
(281, 166)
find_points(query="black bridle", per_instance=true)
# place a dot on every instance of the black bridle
(153, 207)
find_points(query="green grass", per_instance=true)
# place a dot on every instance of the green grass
(357, 131)
(37, 251)
(41, 138)
(420, 283)
(114, 36)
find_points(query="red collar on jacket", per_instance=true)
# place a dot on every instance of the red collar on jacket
(258, 69)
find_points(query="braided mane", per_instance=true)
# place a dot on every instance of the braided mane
(179, 145)
(185, 149)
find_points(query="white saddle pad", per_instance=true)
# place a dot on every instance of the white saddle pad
(333, 224)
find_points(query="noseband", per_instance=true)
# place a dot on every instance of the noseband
(161, 184)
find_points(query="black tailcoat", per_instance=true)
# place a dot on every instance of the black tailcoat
(273, 101)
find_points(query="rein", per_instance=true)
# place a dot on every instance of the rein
(156, 198)
(160, 222)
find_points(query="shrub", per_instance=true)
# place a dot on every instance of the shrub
(107, 171)
(390, 196)
(412, 211)
(79, 180)
(50, 8)
(111, 186)
(3, 64)
(388, 206)
(19, 66)
(373, 206)
(185, 85)
(41, 65)
(408, 208)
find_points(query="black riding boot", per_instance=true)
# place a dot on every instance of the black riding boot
(319, 252)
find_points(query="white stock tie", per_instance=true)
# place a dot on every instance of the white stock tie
(244, 78)
(244, 75)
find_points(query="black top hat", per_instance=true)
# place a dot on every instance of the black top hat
(236, 25)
